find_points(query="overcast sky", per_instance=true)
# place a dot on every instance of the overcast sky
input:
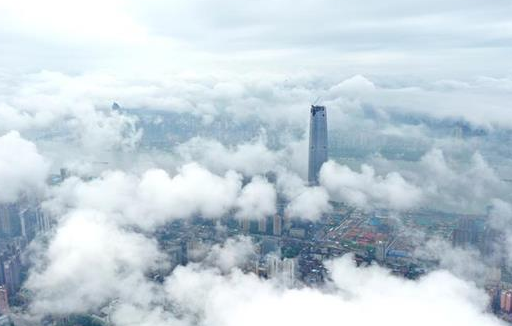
(427, 39)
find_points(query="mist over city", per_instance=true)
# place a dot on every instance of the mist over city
(255, 162)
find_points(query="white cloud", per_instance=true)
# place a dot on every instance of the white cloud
(309, 204)
(366, 189)
(465, 263)
(454, 186)
(257, 200)
(100, 261)
(89, 261)
(152, 199)
(22, 169)
(76, 109)
(305, 202)
(156, 198)
(249, 158)
(234, 252)
(238, 299)
(455, 178)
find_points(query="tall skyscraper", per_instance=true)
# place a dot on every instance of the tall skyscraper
(317, 142)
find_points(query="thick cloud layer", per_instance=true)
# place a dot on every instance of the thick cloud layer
(430, 37)
(235, 252)
(249, 158)
(366, 189)
(80, 104)
(452, 184)
(304, 202)
(471, 186)
(156, 197)
(257, 200)
(244, 299)
(216, 292)
(59, 106)
(90, 261)
(22, 169)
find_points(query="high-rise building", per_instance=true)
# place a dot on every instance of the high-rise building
(317, 142)
(277, 225)
(290, 270)
(4, 302)
(12, 274)
(10, 223)
(381, 250)
(496, 300)
(273, 266)
(506, 301)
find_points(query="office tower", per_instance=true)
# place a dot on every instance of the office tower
(380, 253)
(277, 225)
(290, 271)
(4, 302)
(273, 266)
(317, 142)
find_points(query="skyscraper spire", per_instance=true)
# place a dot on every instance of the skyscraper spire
(317, 142)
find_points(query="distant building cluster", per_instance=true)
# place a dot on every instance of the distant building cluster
(20, 223)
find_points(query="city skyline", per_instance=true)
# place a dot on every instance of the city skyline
(166, 163)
